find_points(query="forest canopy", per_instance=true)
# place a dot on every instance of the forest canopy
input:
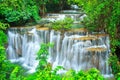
(102, 16)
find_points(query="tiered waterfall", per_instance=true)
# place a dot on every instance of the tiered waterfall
(76, 49)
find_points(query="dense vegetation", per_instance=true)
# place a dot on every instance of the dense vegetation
(8, 71)
(18, 12)
(63, 25)
(102, 15)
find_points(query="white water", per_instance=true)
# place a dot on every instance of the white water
(67, 52)
(24, 43)
(23, 46)
(73, 54)
(54, 17)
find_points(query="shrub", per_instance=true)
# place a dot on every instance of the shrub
(63, 25)
(17, 12)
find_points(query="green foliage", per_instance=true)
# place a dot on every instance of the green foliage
(96, 13)
(8, 71)
(3, 26)
(117, 76)
(92, 74)
(44, 69)
(63, 25)
(70, 75)
(17, 73)
(42, 55)
(3, 40)
(115, 65)
(3, 37)
(18, 11)
(47, 74)
(2, 58)
(114, 62)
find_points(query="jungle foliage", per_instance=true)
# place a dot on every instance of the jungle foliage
(102, 15)
(18, 12)
(8, 71)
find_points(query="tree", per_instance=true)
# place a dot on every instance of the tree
(18, 12)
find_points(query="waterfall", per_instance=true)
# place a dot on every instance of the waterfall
(76, 49)
(23, 45)
(79, 51)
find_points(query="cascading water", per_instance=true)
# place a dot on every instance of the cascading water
(80, 51)
(75, 49)
(23, 45)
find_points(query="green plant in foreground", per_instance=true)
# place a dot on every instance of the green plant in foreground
(42, 55)
(118, 76)
(92, 74)
(17, 73)
(8, 71)
(44, 69)
(3, 40)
